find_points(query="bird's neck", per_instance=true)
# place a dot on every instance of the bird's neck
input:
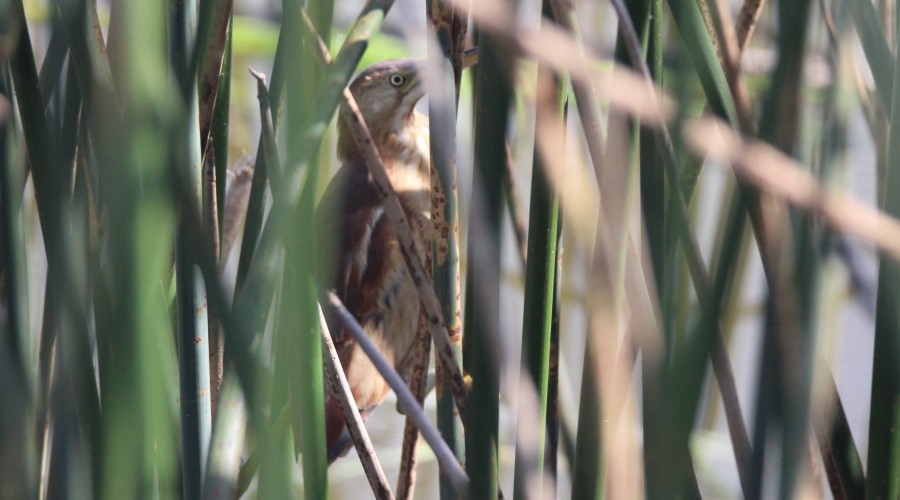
(402, 145)
(406, 147)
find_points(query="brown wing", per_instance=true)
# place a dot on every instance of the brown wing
(349, 219)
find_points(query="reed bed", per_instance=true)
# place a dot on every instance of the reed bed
(666, 260)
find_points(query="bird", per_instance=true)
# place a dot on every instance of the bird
(359, 255)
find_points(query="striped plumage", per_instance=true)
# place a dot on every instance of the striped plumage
(358, 251)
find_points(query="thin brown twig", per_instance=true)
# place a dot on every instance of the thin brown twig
(418, 379)
(212, 66)
(746, 21)
(211, 226)
(236, 203)
(313, 33)
(730, 55)
(267, 136)
(418, 382)
(778, 174)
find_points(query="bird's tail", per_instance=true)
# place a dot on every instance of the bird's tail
(336, 433)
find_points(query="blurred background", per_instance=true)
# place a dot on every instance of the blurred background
(648, 248)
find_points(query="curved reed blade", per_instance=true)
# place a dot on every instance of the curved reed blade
(20, 479)
(191, 309)
(540, 276)
(227, 442)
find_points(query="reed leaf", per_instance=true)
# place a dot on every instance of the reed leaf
(191, 311)
(540, 281)
(884, 445)
(492, 98)
(110, 249)
(20, 479)
(446, 53)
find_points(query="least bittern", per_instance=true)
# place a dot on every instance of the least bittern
(359, 253)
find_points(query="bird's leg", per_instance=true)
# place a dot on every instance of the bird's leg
(418, 378)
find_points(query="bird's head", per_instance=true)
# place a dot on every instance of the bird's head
(386, 93)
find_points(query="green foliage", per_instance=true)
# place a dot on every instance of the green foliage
(114, 294)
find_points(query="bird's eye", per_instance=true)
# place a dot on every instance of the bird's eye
(397, 79)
